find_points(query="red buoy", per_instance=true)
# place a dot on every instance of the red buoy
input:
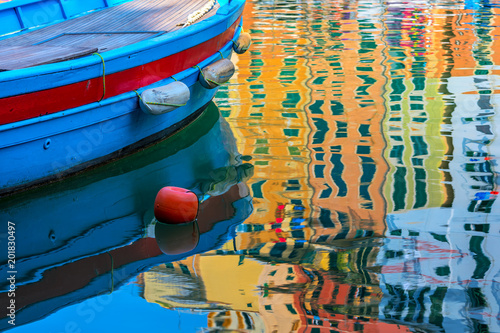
(175, 205)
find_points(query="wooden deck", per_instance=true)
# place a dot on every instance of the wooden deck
(100, 31)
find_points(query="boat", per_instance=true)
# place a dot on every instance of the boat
(93, 241)
(85, 82)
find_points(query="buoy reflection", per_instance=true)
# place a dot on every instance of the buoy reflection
(177, 238)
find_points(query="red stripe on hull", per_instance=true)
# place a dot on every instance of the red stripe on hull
(31, 105)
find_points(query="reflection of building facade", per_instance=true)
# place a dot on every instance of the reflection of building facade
(347, 168)
(281, 298)
(345, 143)
(435, 116)
(414, 110)
(271, 120)
(438, 269)
(301, 260)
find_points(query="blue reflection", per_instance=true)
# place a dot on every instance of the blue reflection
(94, 233)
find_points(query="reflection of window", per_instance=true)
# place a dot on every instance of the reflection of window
(287, 75)
(291, 309)
(396, 138)
(417, 161)
(365, 150)
(415, 106)
(399, 194)
(398, 86)
(297, 234)
(291, 131)
(419, 146)
(364, 129)
(342, 217)
(395, 107)
(337, 108)
(368, 168)
(483, 263)
(481, 206)
(292, 99)
(184, 269)
(419, 83)
(397, 152)
(443, 271)
(257, 189)
(337, 170)
(316, 107)
(261, 150)
(335, 149)
(326, 192)
(293, 151)
(319, 171)
(341, 129)
(322, 126)
(420, 188)
(293, 185)
(325, 218)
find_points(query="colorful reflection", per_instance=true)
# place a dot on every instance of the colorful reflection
(372, 131)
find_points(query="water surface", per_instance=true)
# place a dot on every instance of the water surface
(372, 127)
(352, 179)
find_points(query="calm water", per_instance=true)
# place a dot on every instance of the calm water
(349, 184)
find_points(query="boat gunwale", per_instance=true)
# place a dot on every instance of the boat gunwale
(228, 13)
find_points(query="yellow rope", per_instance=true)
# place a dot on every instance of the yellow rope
(217, 84)
(155, 103)
(103, 76)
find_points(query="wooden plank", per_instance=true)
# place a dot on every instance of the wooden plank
(152, 15)
(16, 57)
(101, 41)
(138, 15)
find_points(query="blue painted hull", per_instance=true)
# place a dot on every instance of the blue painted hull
(50, 147)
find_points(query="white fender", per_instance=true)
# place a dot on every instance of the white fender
(164, 99)
(216, 73)
(242, 43)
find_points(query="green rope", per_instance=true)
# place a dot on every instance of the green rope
(173, 78)
(155, 103)
(103, 76)
(221, 55)
(232, 40)
(164, 104)
(208, 80)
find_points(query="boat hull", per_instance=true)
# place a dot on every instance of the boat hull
(51, 146)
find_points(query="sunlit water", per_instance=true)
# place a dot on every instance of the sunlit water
(350, 186)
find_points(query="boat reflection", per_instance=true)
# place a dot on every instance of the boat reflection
(90, 234)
